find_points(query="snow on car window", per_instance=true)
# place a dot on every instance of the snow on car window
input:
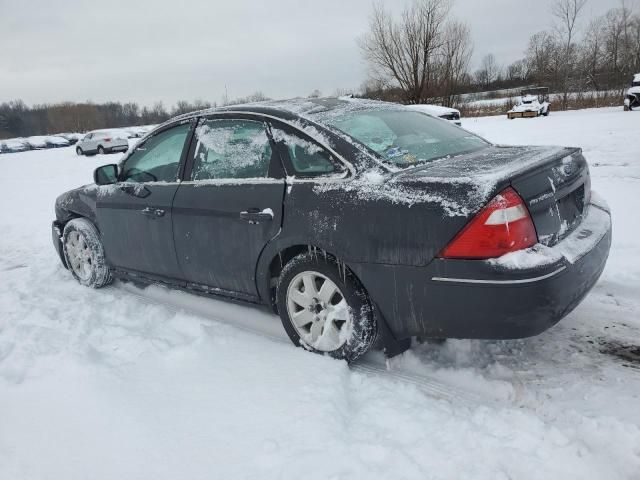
(307, 157)
(294, 140)
(231, 149)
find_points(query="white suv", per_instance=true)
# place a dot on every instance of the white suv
(102, 141)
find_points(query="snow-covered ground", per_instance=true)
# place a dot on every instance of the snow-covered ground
(151, 384)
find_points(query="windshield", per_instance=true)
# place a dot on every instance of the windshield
(404, 138)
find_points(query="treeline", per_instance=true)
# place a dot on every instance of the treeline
(408, 56)
(19, 120)
(604, 57)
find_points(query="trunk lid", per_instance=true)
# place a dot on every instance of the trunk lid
(554, 182)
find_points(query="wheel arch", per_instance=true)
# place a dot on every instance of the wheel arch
(273, 260)
(272, 263)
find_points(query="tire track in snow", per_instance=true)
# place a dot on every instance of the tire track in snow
(271, 329)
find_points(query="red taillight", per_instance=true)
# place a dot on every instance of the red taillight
(503, 226)
(108, 139)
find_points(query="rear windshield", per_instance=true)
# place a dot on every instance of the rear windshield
(404, 138)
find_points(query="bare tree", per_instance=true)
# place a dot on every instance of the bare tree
(488, 72)
(542, 58)
(456, 55)
(591, 53)
(567, 13)
(408, 51)
(517, 71)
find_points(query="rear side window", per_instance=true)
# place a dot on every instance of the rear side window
(307, 158)
(228, 149)
(157, 159)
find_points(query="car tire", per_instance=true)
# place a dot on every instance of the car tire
(338, 321)
(101, 150)
(79, 151)
(84, 253)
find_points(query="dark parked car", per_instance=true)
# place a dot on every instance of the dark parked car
(351, 219)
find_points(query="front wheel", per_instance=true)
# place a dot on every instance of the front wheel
(84, 253)
(101, 150)
(324, 308)
(78, 151)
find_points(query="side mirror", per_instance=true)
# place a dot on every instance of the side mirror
(106, 175)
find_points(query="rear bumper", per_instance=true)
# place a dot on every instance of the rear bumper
(491, 300)
(522, 114)
(117, 148)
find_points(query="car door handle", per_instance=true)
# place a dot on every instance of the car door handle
(153, 212)
(256, 215)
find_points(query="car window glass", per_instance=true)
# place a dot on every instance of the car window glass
(231, 149)
(307, 157)
(158, 158)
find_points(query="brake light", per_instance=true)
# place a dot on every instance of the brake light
(502, 226)
(107, 139)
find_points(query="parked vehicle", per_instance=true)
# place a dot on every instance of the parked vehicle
(533, 103)
(56, 142)
(102, 141)
(37, 142)
(632, 97)
(13, 145)
(72, 138)
(450, 114)
(352, 219)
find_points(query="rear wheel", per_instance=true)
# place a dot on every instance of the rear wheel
(78, 151)
(84, 253)
(324, 308)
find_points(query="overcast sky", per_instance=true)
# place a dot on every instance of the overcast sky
(156, 50)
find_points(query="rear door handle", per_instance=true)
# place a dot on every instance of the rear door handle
(256, 215)
(153, 212)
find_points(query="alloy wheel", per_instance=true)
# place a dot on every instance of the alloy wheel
(318, 311)
(79, 255)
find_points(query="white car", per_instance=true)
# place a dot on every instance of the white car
(529, 106)
(632, 97)
(452, 115)
(102, 141)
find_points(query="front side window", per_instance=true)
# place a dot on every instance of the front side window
(157, 159)
(404, 138)
(229, 149)
(307, 158)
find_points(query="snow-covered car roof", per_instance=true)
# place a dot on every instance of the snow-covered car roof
(39, 139)
(435, 110)
(313, 109)
(636, 77)
(57, 140)
(13, 142)
(114, 132)
(529, 98)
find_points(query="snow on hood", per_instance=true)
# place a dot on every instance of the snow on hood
(633, 90)
(636, 77)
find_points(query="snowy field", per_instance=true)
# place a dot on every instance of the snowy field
(124, 383)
